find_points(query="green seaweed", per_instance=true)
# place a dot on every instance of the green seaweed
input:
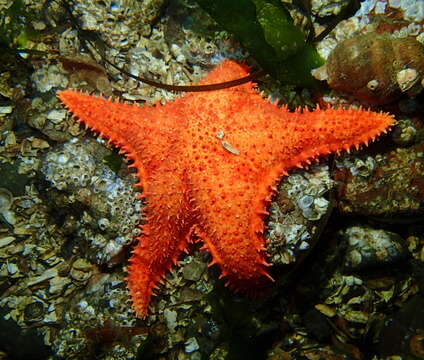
(278, 29)
(15, 26)
(266, 30)
(113, 161)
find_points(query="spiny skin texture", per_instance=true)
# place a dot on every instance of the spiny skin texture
(208, 164)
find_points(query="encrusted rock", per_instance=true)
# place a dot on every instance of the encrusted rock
(368, 247)
(407, 131)
(109, 223)
(392, 184)
(299, 202)
(376, 69)
(324, 8)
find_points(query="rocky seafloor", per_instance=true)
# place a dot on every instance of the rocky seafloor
(345, 236)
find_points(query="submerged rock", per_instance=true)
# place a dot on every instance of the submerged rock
(368, 247)
(376, 69)
(390, 184)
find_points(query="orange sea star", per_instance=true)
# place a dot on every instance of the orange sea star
(208, 164)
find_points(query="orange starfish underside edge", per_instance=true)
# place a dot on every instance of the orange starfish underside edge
(208, 165)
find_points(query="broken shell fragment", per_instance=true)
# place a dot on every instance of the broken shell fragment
(407, 78)
(81, 270)
(6, 199)
(227, 146)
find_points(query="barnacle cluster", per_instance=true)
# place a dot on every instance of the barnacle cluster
(109, 222)
(368, 247)
(375, 185)
(300, 201)
(99, 315)
(48, 78)
(359, 166)
(407, 131)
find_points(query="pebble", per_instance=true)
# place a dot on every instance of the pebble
(48, 274)
(6, 109)
(56, 116)
(191, 345)
(171, 319)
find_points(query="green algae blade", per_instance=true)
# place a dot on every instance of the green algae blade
(266, 30)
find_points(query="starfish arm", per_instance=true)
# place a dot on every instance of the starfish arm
(145, 135)
(231, 231)
(230, 201)
(321, 132)
(165, 235)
